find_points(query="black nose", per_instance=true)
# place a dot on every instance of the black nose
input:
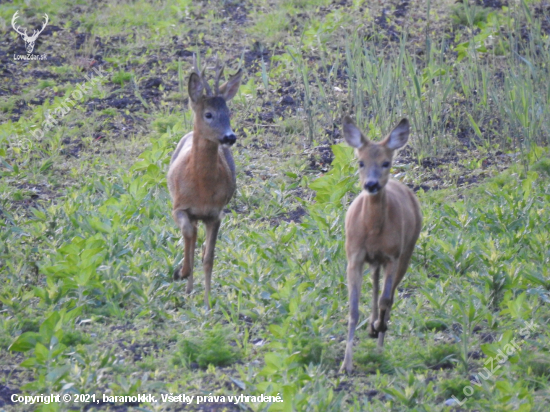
(372, 186)
(229, 139)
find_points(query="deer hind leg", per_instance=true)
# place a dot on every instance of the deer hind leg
(373, 333)
(395, 271)
(355, 276)
(212, 228)
(189, 232)
(386, 301)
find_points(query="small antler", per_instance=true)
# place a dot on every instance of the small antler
(37, 32)
(219, 73)
(200, 73)
(15, 16)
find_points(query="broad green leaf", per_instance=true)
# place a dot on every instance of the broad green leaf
(49, 326)
(57, 373)
(24, 342)
(29, 363)
(41, 352)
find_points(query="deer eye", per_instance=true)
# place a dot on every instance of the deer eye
(386, 164)
(208, 115)
(361, 164)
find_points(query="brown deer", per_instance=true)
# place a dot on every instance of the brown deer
(382, 226)
(201, 177)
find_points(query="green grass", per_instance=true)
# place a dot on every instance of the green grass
(121, 77)
(212, 349)
(271, 26)
(88, 245)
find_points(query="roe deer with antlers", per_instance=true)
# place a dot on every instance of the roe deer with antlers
(201, 177)
(382, 226)
(29, 40)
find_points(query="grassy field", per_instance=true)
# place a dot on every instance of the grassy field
(88, 244)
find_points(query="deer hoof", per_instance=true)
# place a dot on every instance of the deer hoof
(373, 333)
(346, 368)
(189, 287)
(179, 273)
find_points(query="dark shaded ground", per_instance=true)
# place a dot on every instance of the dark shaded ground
(5, 395)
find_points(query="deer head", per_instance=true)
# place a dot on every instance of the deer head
(29, 41)
(375, 159)
(211, 112)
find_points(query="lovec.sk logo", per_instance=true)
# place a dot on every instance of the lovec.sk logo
(29, 40)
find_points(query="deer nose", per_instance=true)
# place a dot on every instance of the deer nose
(229, 139)
(372, 186)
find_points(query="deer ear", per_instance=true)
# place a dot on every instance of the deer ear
(398, 136)
(195, 87)
(229, 89)
(352, 134)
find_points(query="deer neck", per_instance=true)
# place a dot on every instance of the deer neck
(205, 156)
(375, 211)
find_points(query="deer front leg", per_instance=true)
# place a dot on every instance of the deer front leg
(212, 228)
(375, 269)
(189, 232)
(386, 301)
(355, 276)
